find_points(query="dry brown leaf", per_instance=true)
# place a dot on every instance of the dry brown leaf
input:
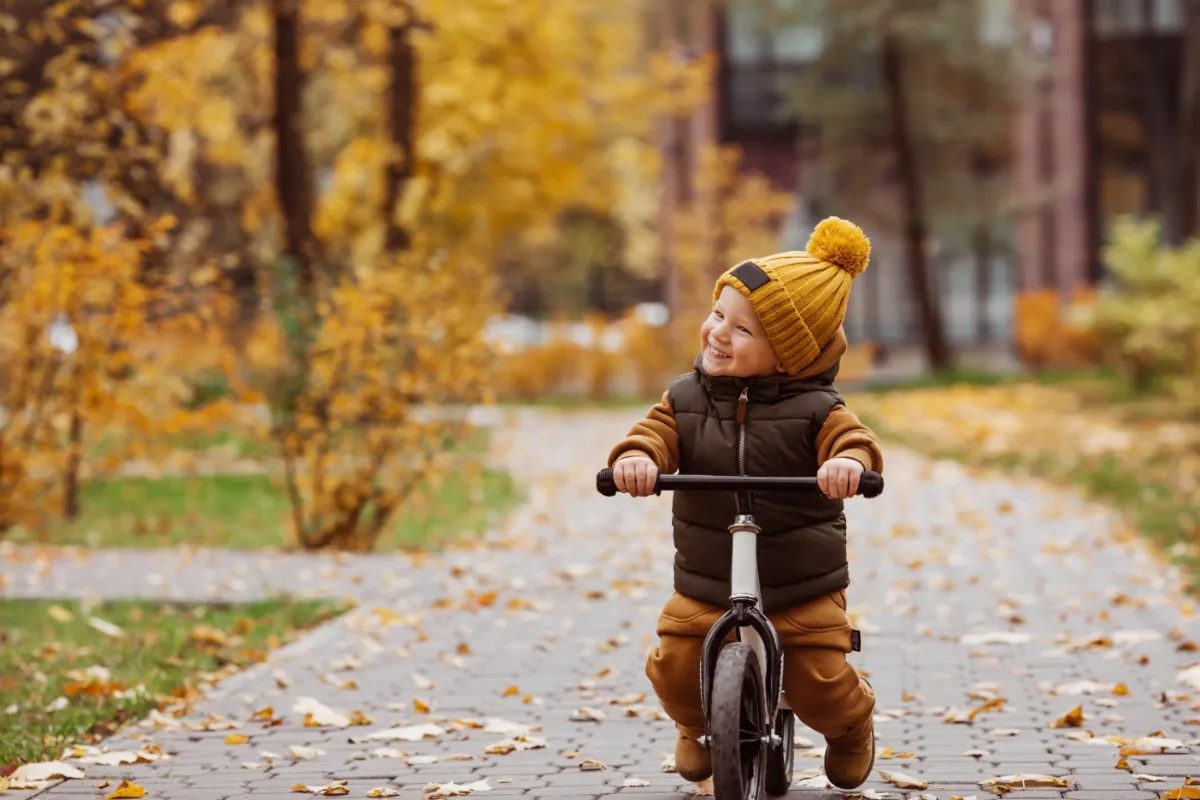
(1072, 719)
(899, 779)
(125, 789)
(996, 704)
(704, 788)
(587, 714)
(46, 770)
(1182, 793)
(1008, 783)
(592, 765)
(421, 706)
(334, 789)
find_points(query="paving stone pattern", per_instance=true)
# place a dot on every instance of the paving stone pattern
(560, 602)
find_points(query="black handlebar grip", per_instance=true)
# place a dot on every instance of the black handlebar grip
(870, 484)
(605, 484)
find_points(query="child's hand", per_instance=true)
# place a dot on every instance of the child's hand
(635, 476)
(838, 477)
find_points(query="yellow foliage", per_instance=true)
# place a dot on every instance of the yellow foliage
(1048, 332)
(735, 216)
(1149, 324)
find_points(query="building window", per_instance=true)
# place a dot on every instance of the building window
(1114, 18)
(766, 41)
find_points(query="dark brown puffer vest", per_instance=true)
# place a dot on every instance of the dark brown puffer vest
(802, 547)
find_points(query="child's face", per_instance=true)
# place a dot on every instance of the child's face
(733, 342)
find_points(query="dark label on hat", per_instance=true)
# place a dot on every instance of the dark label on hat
(751, 275)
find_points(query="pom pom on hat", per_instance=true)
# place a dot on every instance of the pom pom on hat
(838, 241)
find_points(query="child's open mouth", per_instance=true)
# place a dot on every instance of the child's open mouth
(715, 353)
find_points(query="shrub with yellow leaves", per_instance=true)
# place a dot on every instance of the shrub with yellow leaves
(1148, 324)
(70, 307)
(368, 389)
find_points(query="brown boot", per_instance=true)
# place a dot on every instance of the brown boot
(692, 761)
(850, 757)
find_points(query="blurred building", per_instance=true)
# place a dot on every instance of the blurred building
(1097, 136)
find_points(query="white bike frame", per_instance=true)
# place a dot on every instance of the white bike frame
(744, 585)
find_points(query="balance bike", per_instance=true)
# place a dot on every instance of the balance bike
(748, 725)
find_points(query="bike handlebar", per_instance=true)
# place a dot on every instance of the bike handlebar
(870, 484)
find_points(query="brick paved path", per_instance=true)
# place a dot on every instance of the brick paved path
(561, 605)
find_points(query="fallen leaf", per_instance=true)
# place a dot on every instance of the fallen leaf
(266, 712)
(995, 637)
(634, 783)
(421, 706)
(421, 682)
(1072, 719)
(410, 733)
(301, 753)
(903, 781)
(1141, 776)
(46, 770)
(335, 789)
(586, 714)
(510, 691)
(106, 627)
(1120, 690)
(439, 790)
(317, 714)
(704, 788)
(668, 764)
(206, 634)
(1005, 732)
(1182, 793)
(60, 614)
(1008, 783)
(383, 791)
(126, 789)
(592, 765)
(237, 738)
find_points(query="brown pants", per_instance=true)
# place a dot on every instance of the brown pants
(822, 689)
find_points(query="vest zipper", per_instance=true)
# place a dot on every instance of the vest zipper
(743, 401)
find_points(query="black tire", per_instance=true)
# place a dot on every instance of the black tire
(736, 723)
(782, 756)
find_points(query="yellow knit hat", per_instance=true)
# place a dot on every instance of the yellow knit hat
(800, 296)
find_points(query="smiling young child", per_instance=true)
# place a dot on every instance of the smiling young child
(770, 350)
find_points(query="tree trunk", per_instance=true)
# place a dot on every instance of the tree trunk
(1189, 124)
(982, 245)
(912, 210)
(292, 180)
(402, 103)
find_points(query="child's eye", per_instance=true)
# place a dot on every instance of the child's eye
(718, 314)
(743, 329)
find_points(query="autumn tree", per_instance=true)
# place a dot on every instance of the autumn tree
(904, 108)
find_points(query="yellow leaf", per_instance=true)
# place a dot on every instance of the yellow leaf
(420, 706)
(237, 738)
(1182, 793)
(511, 690)
(1072, 719)
(1120, 690)
(126, 789)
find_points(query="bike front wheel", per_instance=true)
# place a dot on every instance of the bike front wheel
(737, 725)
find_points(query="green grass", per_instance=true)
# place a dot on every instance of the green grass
(41, 642)
(253, 512)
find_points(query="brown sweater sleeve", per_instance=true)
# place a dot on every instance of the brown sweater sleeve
(844, 436)
(655, 436)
